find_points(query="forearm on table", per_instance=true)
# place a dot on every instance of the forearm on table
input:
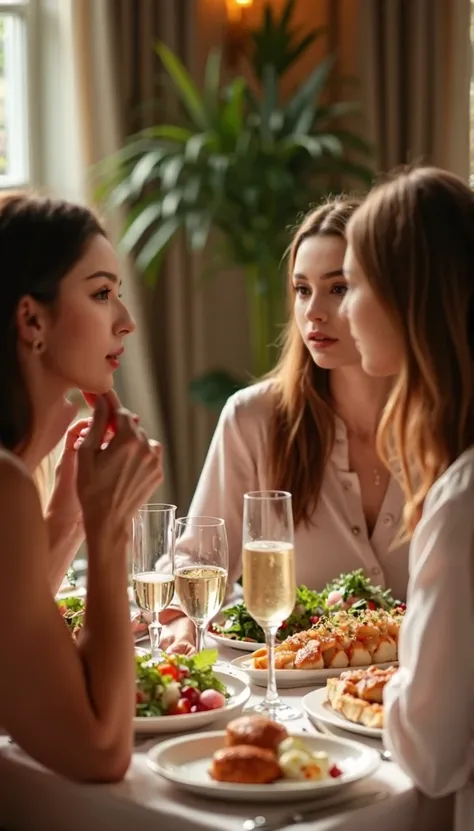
(106, 642)
(64, 543)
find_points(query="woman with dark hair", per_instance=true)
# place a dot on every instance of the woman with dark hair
(410, 304)
(62, 325)
(309, 428)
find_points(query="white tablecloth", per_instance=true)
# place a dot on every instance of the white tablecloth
(33, 798)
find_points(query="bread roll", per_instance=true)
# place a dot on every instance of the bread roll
(257, 731)
(246, 765)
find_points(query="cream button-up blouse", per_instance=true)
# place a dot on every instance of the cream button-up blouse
(337, 540)
(429, 704)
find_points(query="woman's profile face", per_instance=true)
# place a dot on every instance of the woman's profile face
(374, 334)
(83, 334)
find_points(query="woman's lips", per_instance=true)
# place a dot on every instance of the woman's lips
(322, 343)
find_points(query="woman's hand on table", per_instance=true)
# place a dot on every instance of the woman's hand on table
(178, 636)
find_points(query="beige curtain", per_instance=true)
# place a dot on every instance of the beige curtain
(100, 133)
(415, 65)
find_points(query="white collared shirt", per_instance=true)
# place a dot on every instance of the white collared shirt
(429, 704)
(337, 540)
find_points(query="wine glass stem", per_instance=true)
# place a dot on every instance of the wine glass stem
(271, 695)
(200, 634)
(154, 630)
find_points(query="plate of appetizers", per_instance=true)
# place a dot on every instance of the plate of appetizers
(339, 641)
(183, 693)
(256, 760)
(236, 628)
(352, 702)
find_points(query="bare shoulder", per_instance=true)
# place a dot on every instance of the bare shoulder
(18, 492)
(22, 532)
(13, 473)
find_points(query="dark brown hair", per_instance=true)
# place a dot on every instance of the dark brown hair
(414, 241)
(40, 242)
(302, 427)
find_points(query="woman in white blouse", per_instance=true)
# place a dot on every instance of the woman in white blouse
(410, 272)
(310, 429)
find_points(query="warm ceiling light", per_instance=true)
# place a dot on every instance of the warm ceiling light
(235, 8)
(236, 34)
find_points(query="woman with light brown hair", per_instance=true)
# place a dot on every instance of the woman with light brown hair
(410, 273)
(309, 428)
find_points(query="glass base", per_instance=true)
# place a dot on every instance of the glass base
(276, 710)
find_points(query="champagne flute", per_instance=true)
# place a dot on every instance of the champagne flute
(152, 565)
(200, 568)
(269, 578)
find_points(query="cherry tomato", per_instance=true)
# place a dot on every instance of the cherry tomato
(181, 708)
(334, 771)
(169, 669)
(140, 697)
(314, 619)
(371, 604)
(190, 694)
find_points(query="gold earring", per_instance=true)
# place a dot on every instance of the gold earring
(38, 346)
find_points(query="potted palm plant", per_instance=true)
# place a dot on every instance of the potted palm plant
(234, 174)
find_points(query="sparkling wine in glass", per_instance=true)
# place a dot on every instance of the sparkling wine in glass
(200, 567)
(268, 562)
(152, 565)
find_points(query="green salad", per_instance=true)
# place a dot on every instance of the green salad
(72, 610)
(178, 685)
(351, 591)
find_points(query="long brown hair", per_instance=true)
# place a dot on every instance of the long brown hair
(301, 432)
(40, 241)
(414, 240)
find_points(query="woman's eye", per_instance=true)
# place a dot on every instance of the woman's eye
(303, 291)
(340, 289)
(102, 294)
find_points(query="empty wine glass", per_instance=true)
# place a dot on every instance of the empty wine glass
(201, 564)
(152, 565)
(269, 583)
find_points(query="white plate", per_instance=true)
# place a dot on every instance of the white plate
(243, 646)
(287, 678)
(318, 708)
(186, 761)
(239, 691)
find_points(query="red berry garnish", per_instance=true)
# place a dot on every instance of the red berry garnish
(334, 771)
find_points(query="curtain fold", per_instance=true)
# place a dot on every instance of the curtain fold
(415, 68)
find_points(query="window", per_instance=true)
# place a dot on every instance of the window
(14, 115)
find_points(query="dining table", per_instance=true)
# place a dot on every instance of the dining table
(33, 798)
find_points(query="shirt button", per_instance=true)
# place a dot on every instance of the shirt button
(375, 571)
(355, 530)
(387, 519)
